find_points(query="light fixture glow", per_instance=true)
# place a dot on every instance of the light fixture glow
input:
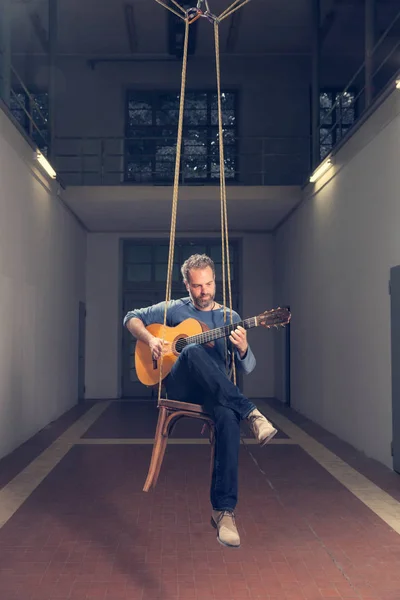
(321, 170)
(42, 160)
(398, 84)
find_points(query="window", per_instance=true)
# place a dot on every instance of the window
(151, 132)
(36, 105)
(335, 122)
(147, 264)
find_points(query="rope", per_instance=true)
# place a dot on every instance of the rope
(175, 194)
(171, 9)
(230, 10)
(224, 210)
(179, 6)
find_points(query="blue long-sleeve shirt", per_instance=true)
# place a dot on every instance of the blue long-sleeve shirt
(179, 310)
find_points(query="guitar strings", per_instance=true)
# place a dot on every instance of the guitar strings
(209, 336)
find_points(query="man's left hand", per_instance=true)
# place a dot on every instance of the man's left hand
(238, 338)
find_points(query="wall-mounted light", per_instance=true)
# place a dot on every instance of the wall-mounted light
(42, 160)
(398, 84)
(323, 168)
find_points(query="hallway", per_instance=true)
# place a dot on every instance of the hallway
(317, 519)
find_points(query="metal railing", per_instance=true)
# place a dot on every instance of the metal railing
(26, 110)
(248, 161)
(368, 88)
(253, 161)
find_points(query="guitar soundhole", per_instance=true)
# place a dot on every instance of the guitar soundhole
(180, 345)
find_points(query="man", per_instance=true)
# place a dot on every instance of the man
(200, 376)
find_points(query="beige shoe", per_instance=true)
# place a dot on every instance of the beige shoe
(224, 522)
(263, 430)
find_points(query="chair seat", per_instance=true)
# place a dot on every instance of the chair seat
(185, 406)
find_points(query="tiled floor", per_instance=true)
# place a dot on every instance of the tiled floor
(313, 514)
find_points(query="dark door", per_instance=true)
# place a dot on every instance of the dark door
(131, 386)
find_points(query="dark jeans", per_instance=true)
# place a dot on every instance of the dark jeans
(195, 377)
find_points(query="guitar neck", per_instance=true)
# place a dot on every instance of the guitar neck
(215, 334)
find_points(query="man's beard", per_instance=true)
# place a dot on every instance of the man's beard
(204, 302)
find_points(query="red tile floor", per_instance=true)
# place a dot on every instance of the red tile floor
(88, 531)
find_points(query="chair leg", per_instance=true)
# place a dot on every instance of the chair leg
(158, 451)
(160, 458)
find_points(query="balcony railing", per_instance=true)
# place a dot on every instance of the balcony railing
(249, 161)
(110, 161)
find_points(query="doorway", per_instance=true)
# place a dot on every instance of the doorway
(143, 284)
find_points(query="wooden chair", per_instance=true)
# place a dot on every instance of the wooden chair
(169, 412)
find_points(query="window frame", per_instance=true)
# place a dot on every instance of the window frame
(154, 96)
(332, 127)
(181, 243)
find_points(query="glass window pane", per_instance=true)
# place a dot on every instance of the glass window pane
(138, 254)
(195, 109)
(227, 107)
(40, 109)
(139, 171)
(192, 249)
(325, 136)
(348, 116)
(139, 273)
(324, 151)
(230, 163)
(162, 253)
(218, 272)
(340, 131)
(228, 117)
(151, 128)
(195, 154)
(216, 253)
(325, 117)
(17, 102)
(140, 110)
(346, 99)
(165, 155)
(325, 100)
(164, 171)
(136, 144)
(162, 272)
(167, 110)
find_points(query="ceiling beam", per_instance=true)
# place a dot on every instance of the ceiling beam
(40, 31)
(131, 27)
(233, 32)
(327, 24)
(176, 33)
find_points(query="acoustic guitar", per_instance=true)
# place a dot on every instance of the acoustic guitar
(192, 331)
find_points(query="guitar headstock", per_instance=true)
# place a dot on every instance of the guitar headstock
(276, 317)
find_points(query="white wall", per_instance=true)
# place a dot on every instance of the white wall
(333, 258)
(104, 312)
(42, 279)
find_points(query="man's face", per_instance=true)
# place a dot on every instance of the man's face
(201, 287)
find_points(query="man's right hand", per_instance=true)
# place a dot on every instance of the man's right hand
(157, 347)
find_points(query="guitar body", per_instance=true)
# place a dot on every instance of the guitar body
(148, 371)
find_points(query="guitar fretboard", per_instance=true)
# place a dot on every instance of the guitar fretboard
(214, 334)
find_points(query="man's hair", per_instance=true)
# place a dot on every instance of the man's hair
(196, 261)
